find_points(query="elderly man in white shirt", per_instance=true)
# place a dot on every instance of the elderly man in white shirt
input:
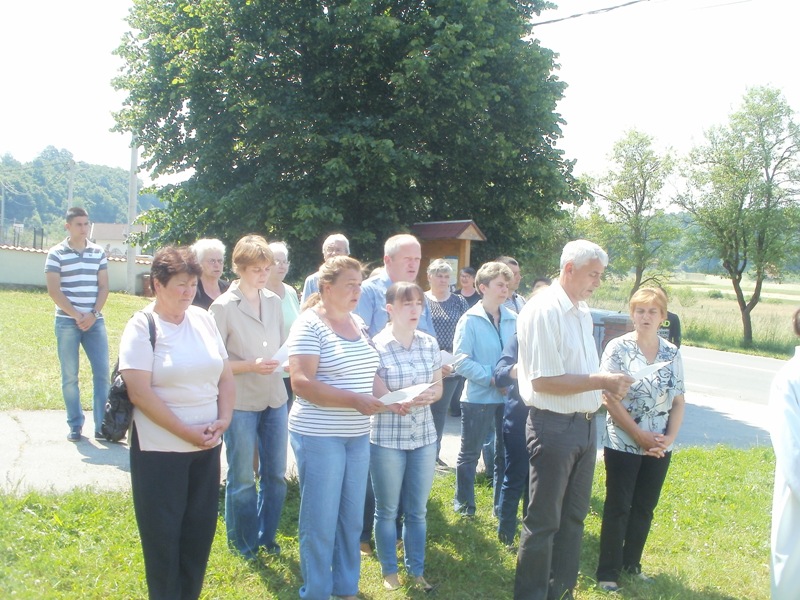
(559, 378)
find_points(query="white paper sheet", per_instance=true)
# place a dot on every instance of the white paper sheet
(406, 394)
(450, 359)
(282, 355)
(649, 370)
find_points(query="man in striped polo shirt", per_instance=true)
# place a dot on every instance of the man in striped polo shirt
(76, 271)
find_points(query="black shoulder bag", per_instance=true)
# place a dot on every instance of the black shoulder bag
(119, 409)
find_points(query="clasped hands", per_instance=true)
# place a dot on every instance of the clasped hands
(86, 321)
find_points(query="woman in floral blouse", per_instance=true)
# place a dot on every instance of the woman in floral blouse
(640, 431)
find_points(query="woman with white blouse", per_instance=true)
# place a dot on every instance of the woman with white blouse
(403, 447)
(333, 369)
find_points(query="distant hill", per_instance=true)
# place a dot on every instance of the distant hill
(37, 192)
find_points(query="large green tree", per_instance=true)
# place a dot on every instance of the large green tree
(743, 194)
(637, 232)
(297, 118)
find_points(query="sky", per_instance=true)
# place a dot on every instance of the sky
(670, 68)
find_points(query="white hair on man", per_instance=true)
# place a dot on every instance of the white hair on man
(331, 241)
(581, 252)
(201, 247)
(280, 247)
(394, 243)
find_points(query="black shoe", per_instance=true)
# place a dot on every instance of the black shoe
(74, 434)
(441, 463)
(98, 435)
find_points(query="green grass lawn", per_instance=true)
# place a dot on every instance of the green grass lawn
(30, 376)
(710, 541)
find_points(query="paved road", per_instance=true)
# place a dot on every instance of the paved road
(34, 453)
(728, 374)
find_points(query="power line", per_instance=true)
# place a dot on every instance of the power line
(596, 11)
(607, 9)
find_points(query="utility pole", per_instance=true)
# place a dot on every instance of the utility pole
(133, 193)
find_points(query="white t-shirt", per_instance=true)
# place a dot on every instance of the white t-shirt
(345, 364)
(186, 367)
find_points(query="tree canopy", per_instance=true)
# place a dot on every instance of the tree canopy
(297, 119)
(743, 193)
(636, 232)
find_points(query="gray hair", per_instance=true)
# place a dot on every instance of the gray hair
(279, 247)
(580, 252)
(201, 247)
(332, 239)
(439, 266)
(394, 243)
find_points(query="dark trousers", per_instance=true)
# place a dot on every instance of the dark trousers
(175, 498)
(455, 399)
(562, 451)
(515, 481)
(633, 486)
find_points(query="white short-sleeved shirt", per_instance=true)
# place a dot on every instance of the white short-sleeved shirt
(186, 366)
(555, 338)
(343, 363)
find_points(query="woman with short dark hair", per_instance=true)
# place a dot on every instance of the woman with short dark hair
(183, 395)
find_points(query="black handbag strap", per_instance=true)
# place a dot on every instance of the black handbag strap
(152, 326)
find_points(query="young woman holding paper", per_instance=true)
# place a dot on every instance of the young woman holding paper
(403, 447)
(638, 437)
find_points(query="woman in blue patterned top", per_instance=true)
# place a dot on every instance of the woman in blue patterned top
(640, 431)
(446, 309)
(403, 447)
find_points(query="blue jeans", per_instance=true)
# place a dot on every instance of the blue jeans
(515, 479)
(477, 421)
(69, 339)
(333, 480)
(252, 517)
(407, 474)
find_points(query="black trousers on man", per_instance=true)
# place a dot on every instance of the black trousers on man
(562, 450)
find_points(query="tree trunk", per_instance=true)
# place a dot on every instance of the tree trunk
(747, 325)
(639, 272)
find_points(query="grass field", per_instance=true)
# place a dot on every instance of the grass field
(709, 541)
(710, 317)
(30, 376)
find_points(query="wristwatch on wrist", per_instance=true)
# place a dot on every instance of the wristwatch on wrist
(97, 314)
